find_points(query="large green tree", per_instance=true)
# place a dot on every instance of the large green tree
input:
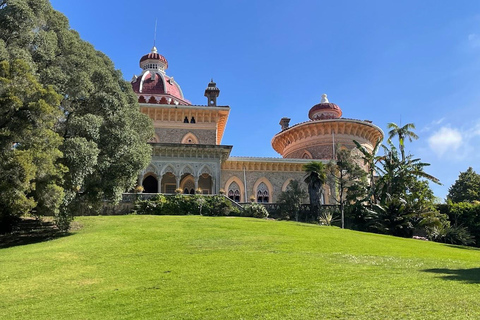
(466, 188)
(104, 134)
(30, 175)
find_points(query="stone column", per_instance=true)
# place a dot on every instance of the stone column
(178, 181)
(196, 183)
(159, 190)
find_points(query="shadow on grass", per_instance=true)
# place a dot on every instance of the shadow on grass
(29, 231)
(464, 275)
(463, 247)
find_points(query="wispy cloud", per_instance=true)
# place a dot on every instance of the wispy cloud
(445, 139)
(432, 125)
(454, 143)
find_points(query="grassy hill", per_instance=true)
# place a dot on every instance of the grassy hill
(192, 267)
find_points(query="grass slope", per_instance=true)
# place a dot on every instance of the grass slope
(191, 267)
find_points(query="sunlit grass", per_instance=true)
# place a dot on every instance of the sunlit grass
(191, 267)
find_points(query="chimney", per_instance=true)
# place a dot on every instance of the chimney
(284, 123)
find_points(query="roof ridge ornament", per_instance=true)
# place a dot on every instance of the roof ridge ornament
(324, 98)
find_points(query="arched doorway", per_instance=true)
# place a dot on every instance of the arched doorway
(150, 184)
(205, 183)
(187, 184)
(169, 183)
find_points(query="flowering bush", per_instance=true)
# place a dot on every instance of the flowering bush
(255, 210)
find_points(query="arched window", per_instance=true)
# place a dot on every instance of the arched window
(190, 138)
(192, 120)
(185, 120)
(234, 192)
(262, 193)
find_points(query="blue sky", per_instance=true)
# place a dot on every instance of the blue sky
(385, 61)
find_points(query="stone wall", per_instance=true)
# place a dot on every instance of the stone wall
(174, 135)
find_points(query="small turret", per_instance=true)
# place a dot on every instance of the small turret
(212, 93)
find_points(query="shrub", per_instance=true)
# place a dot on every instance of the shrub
(451, 234)
(255, 210)
(153, 206)
(185, 205)
(327, 216)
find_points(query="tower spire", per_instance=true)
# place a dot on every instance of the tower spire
(155, 33)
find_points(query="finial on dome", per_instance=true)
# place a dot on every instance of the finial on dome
(324, 98)
(154, 49)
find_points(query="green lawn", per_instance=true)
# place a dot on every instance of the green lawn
(192, 267)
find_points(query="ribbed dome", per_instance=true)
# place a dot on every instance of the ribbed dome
(325, 110)
(153, 60)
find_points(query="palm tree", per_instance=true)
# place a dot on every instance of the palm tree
(402, 133)
(315, 178)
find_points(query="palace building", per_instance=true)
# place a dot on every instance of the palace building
(187, 152)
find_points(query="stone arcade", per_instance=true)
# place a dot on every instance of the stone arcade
(187, 149)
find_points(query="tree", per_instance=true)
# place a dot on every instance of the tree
(103, 134)
(405, 200)
(349, 179)
(402, 133)
(370, 160)
(292, 198)
(315, 178)
(466, 188)
(30, 174)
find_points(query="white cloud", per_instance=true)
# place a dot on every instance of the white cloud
(445, 139)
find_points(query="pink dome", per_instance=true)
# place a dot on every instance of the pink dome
(325, 110)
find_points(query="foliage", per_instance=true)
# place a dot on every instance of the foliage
(30, 175)
(465, 215)
(315, 178)
(451, 234)
(327, 216)
(370, 159)
(349, 178)
(402, 133)
(291, 200)
(255, 210)
(399, 200)
(186, 205)
(405, 202)
(466, 188)
(89, 142)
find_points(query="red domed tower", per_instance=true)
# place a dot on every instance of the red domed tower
(153, 85)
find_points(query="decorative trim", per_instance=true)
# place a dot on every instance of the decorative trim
(320, 132)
